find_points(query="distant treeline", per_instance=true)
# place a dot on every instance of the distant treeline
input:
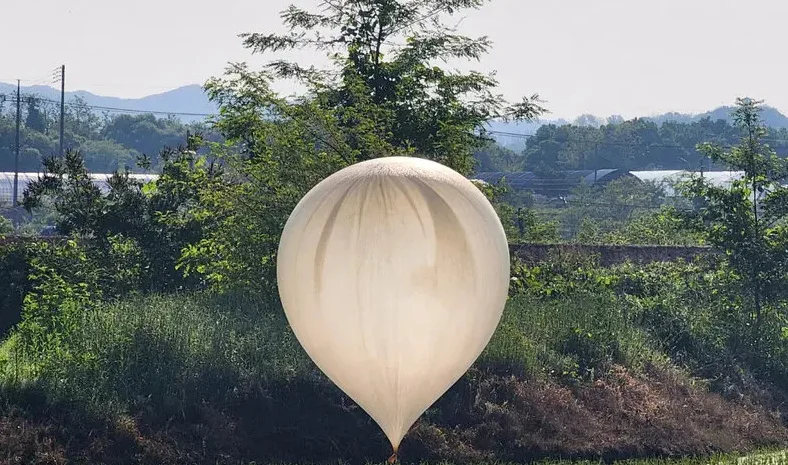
(108, 141)
(637, 144)
(114, 141)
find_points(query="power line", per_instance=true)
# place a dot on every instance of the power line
(73, 104)
(154, 112)
(525, 136)
(40, 79)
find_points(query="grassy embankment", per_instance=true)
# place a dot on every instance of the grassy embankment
(618, 364)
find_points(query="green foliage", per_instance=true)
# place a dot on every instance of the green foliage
(144, 134)
(531, 228)
(59, 281)
(177, 351)
(637, 144)
(395, 93)
(623, 211)
(660, 227)
(281, 157)
(14, 283)
(64, 283)
(107, 156)
(686, 311)
(567, 319)
(376, 101)
(578, 337)
(6, 226)
(150, 222)
(108, 142)
(35, 120)
(492, 157)
(519, 223)
(72, 192)
(609, 207)
(747, 220)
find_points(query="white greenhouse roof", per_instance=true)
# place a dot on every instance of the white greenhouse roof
(7, 183)
(668, 178)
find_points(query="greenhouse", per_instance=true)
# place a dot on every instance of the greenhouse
(553, 184)
(667, 179)
(23, 179)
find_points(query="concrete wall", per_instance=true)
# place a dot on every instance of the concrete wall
(607, 254)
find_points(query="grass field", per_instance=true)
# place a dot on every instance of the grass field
(583, 365)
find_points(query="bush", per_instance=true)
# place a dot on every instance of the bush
(689, 312)
(14, 269)
(205, 378)
(183, 350)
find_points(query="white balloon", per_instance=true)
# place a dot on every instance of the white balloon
(393, 274)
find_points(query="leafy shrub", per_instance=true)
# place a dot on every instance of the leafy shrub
(148, 221)
(64, 283)
(688, 311)
(14, 284)
(6, 226)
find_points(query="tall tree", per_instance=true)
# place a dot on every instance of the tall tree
(35, 120)
(384, 75)
(383, 95)
(749, 220)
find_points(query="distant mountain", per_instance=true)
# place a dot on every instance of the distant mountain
(191, 99)
(188, 99)
(770, 115)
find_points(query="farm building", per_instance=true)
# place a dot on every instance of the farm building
(554, 185)
(562, 182)
(667, 179)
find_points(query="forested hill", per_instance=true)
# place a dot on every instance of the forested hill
(108, 140)
(772, 117)
(639, 144)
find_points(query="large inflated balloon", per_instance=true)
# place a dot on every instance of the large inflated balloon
(393, 274)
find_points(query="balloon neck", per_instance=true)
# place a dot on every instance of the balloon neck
(393, 459)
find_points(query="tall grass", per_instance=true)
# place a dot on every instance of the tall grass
(570, 327)
(232, 362)
(163, 349)
(568, 338)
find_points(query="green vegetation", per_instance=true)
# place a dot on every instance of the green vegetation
(581, 352)
(107, 142)
(152, 333)
(748, 220)
(637, 144)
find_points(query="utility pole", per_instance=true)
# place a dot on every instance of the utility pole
(16, 148)
(62, 105)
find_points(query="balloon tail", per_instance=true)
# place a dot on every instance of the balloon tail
(393, 459)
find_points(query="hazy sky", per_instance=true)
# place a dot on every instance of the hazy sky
(627, 57)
